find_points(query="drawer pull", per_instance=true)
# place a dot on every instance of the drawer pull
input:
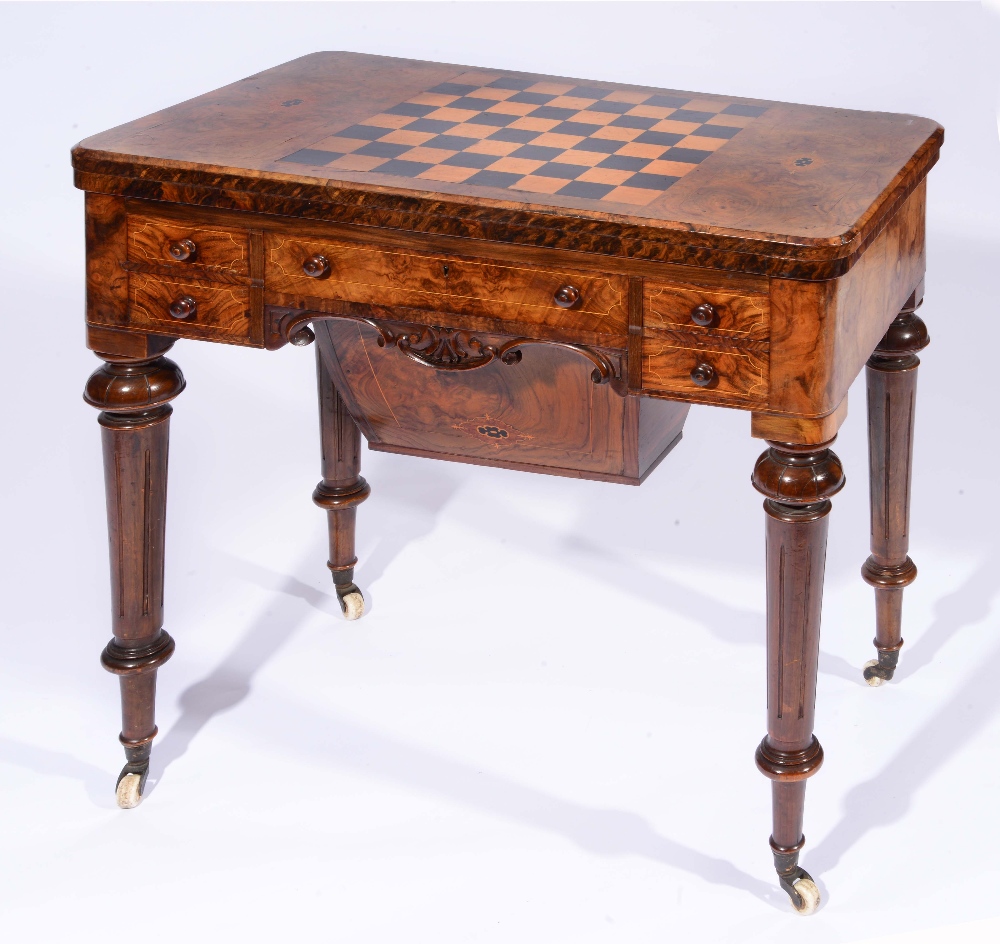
(317, 266)
(183, 250)
(704, 315)
(566, 296)
(183, 307)
(703, 375)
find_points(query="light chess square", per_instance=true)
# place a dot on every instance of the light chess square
(538, 137)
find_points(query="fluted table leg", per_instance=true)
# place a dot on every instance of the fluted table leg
(892, 394)
(342, 488)
(798, 482)
(133, 396)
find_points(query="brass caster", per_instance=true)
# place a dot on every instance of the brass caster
(129, 791)
(352, 602)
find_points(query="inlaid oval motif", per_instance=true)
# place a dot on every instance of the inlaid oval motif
(492, 431)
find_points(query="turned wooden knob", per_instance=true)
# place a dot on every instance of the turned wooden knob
(183, 307)
(703, 375)
(182, 250)
(317, 266)
(566, 296)
(704, 314)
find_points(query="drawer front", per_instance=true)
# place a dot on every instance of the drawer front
(736, 375)
(399, 278)
(218, 312)
(702, 311)
(195, 249)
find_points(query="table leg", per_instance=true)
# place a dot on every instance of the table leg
(892, 392)
(133, 395)
(798, 482)
(342, 488)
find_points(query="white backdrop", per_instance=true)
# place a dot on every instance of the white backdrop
(511, 744)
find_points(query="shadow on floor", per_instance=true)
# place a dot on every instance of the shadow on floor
(881, 800)
(98, 783)
(297, 728)
(886, 797)
(731, 624)
(332, 740)
(230, 681)
(411, 494)
(415, 497)
(964, 606)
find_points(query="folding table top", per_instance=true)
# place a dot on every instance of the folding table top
(333, 127)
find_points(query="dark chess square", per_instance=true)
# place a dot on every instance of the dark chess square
(521, 134)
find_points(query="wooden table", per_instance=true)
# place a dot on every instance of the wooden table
(520, 271)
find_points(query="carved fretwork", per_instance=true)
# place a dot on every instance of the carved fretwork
(442, 348)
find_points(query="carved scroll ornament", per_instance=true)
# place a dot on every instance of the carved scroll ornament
(438, 347)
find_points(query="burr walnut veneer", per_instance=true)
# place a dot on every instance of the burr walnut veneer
(523, 271)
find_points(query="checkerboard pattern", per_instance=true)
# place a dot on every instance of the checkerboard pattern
(521, 134)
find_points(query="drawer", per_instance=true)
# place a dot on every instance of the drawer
(541, 412)
(405, 279)
(679, 307)
(671, 364)
(197, 249)
(214, 312)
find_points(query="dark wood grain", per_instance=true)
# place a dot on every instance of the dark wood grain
(680, 307)
(819, 328)
(739, 370)
(342, 488)
(542, 411)
(134, 396)
(892, 394)
(107, 249)
(798, 482)
(221, 313)
(452, 284)
(189, 249)
(784, 427)
(823, 332)
(820, 214)
(539, 290)
(127, 343)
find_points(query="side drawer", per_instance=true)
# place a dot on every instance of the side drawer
(404, 279)
(680, 307)
(734, 374)
(196, 249)
(217, 312)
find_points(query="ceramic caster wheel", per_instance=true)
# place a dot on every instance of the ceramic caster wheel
(808, 894)
(870, 677)
(353, 605)
(129, 791)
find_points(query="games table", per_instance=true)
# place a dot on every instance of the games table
(528, 272)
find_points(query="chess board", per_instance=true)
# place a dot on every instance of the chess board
(538, 137)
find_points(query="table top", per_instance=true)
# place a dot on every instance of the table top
(383, 134)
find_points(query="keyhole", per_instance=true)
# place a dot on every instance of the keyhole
(446, 270)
